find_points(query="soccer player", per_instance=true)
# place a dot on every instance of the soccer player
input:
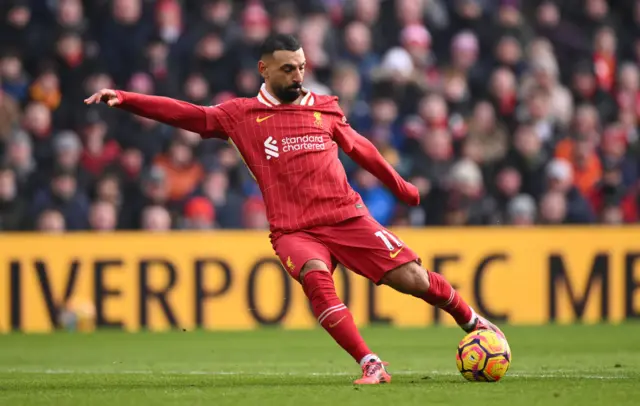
(289, 138)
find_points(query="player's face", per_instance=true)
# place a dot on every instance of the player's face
(284, 72)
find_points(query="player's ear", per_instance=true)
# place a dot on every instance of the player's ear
(262, 68)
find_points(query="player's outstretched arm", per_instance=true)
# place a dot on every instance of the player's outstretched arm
(365, 154)
(163, 109)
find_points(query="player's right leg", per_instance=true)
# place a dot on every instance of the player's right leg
(309, 262)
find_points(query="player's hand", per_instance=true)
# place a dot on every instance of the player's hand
(108, 96)
(411, 195)
(423, 184)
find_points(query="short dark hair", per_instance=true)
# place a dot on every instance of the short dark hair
(279, 42)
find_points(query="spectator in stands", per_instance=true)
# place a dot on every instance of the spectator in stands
(18, 30)
(37, 123)
(124, 34)
(377, 198)
(430, 166)
(128, 168)
(580, 150)
(12, 206)
(9, 114)
(585, 90)
(99, 151)
(51, 221)
(63, 194)
(537, 112)
(612, 215)
(508, 186)
(227, 203)
(211, 58)
(469, 100)
(286, 18)
(347, 85)
(628, 90)
(613, 152)
(489, 133)
(462, 200)
(18, 156)
(465, 51)
(521, 211)
(358, 50)
(508, 53)
(544, 75)
(154, 191)
(67, 151)
(368, 13)
(102, 217)
(255, 214)
(183, 172)
(217, 15)
(604, 58)
(611, 193)
(45, 89)
(199, 214)
(14, 80)
(560, 179)
(553, 208)
(69, 15)
(108, 189)
(459, 101)
(529, 158)
(156, 219)
(504, 95)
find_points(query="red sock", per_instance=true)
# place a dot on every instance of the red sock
(332, 314)
(441, 294)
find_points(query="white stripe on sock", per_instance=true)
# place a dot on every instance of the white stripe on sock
(337, 309)
(329, 309)
(448, 302)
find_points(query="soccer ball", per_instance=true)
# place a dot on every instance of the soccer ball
(483, 356)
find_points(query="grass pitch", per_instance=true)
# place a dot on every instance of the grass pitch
(552, 365)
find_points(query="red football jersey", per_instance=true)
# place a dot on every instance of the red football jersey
(292, 152)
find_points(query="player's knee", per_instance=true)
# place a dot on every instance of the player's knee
(409, 278)
(313, 265)
(318, 286)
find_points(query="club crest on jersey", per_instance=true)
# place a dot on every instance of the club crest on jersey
(318, 116)
(290, 264)
(271, 148)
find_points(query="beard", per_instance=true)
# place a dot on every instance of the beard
(288, 94)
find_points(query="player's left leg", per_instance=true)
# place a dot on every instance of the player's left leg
(411, 278)
(369, 249)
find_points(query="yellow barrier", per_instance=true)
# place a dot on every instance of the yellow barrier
(232, 280)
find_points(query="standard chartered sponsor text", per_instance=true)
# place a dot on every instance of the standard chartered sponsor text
(306, 142)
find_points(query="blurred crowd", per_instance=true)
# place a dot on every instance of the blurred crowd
(499, 111)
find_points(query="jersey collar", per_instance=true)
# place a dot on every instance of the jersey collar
(267, 99)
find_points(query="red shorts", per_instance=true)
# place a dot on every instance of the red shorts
(361, 244)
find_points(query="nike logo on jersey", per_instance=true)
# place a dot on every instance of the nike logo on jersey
(395, 254)
(261, 119)
(271, 148)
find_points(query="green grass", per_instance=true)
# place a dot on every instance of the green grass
(552, 365)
